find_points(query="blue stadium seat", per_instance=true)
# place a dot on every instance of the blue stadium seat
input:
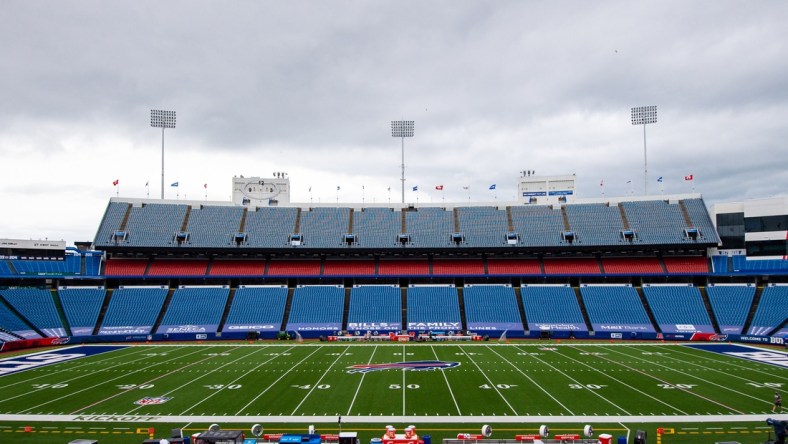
(375, 308)
(316, 308)
(199, 308)
(552, 308)
(615, 308)
(731, 304)
(678, 308)
(491, 308)
(38, 307)
(257, 308)
(133, 310)
(433, 307)
(772, 310)
(82, 306)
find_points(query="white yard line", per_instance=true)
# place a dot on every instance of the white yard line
(321, 378)
(404, 359)
(274, 383)
(445, 378)
(493, 385)
(539, 386)
(687, 391)
(732, 362)
(578, 382)
(360, 382)
(124, 375)
(624, 383)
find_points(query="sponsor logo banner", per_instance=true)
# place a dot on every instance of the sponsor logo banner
(27, 334)
(411, 365)
(125, 330)
(379, 326)
(624, 327)
(686, 328)
(250, 327)
(775, 358)
(494, 326)
(22, 363)
(434, 326)
(152, 400)
(561, 193)
(314, 326)
(81, 331)
(727, 329)
(188, 328)
(556, 326)
(534, 193)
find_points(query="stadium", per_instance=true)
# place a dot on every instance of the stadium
(637, 316)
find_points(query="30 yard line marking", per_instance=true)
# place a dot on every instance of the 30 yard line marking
(533, 382)
(125, 374)
(578, 382)
(689, 392)
(625, 384)
(445, 378)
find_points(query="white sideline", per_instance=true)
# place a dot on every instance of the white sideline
(396, 419)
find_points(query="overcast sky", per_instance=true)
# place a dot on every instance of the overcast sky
(310, 88)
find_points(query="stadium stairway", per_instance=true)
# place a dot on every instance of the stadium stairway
(461, 300)
(583, 311)
(648, 310)
(103, 311)
(288, 304)
(778, 328)
(346, 307)
(227, 306)
(753, 308)
(60, 312)
(709, 309)
(10, 333)
(163, 311)
(521, 308)
(404, 295)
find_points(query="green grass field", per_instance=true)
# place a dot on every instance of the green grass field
(516, 387)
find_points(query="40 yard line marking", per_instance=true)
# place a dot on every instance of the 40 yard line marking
(321, 378)
(445, 378)
(355, 395)
(491, 383)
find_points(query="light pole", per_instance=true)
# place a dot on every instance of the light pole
(402, 129)
(162, 119)
(643, 115)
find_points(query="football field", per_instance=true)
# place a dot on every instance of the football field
(293, 382)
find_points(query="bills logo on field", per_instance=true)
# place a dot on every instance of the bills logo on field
(152, 400)
(411, 365)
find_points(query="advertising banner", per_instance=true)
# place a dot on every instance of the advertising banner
(495, 326)
(250, 327)
(624, 327)
(125, 330)
(556, 326)
(686, 328)
(319, 326)
(426, 326)
(374, 326)
(187, 328)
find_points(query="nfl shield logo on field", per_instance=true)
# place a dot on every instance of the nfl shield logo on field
(152, 400)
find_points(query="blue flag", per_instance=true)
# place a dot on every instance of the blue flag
(416, 188)
(660, 179)
(174, 184)
(492, 187)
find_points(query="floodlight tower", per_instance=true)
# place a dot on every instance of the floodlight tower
(162, 119)
(402, 129)
(643, 115)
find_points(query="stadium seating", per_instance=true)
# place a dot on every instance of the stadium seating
(615, 308)
(731, 304)
(742, 264)
(433, 307)
(70, 265)
(270, 227)
(257, 308)
(403, 267)
(126, 267)
(195, 309)
(375, 307)
(357, 267)
(538, 225)
(294, 268)
(11, 322)
(38, 307)
(686, 264)
(456, 267)
(93, 265)
(491, 308)
(772, 310)
(656, 222)
(154, 225)
(719, 264)
(430, 227)
(632, 265)
(377, 227)
(225, 267)
(5, 268)
(174, 267)
(513, 266)
(82, 306)
(588, 266)
(316, 308)
(112, 221)
(325, 226)
(133, 310)
(595, 224)
(482, 226)
(213, 226)
(552, 308)
(678, 308)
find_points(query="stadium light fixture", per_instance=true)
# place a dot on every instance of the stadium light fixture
(162, 119)
(644, 115)
(402, 129)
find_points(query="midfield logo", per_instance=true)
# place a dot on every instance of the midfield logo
(152, 400)
(411, 365)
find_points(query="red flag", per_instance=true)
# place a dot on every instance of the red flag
(689, 177)
(439, 187)
(115, 182)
